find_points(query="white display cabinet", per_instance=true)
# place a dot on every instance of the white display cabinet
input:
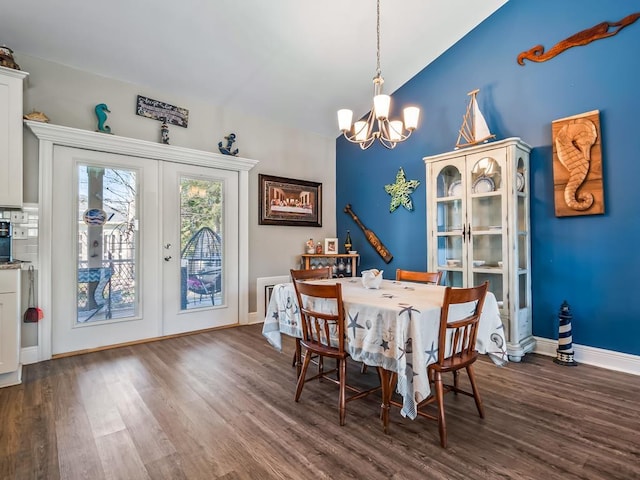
(478, 228)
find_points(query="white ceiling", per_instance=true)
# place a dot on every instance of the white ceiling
(293, 61)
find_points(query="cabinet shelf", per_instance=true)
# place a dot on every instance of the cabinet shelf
(331, 260)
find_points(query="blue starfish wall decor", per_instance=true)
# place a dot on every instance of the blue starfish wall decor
(400, 191)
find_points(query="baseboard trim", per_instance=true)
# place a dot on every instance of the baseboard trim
(29, 355)
(11, 378)
(621, 362)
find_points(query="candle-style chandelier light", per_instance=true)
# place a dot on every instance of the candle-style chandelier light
(389, 132)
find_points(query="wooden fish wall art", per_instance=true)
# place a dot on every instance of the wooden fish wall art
(597, 32)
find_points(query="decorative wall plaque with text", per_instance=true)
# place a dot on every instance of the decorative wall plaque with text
(164, 112)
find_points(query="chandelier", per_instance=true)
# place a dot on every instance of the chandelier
(389, 132)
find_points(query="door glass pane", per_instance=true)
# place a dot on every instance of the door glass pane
(449, 215)
(486, 212)
(486, 176)
(450, 251)
(201, 243)
(495, 284)
(107, 244)
(449, 183)
(453, 278)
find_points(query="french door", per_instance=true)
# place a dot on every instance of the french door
(199, 247)
(141, 248)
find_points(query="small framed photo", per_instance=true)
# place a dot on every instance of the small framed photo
(330, 245)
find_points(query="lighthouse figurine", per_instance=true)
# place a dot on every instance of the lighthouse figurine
(565, 339)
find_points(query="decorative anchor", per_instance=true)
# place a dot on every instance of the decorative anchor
(101, 112)
(227, 149)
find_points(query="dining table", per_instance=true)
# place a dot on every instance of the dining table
(394, 327)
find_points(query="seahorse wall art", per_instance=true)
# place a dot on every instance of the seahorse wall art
(577, 165)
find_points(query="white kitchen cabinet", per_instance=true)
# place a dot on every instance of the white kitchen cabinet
(478, 228)
(11, 89)
(10, 368)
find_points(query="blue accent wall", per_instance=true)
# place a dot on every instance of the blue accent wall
(591, 261)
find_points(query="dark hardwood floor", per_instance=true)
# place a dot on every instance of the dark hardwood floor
(219, 405)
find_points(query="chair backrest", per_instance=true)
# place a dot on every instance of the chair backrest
(315, 274)
(422, 277)
(458, 335)
(322, 314)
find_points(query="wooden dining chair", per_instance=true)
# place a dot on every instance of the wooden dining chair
(422, 277)
(456, 351)
(310, 274)
(324, 334)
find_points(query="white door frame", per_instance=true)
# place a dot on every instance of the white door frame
(50, 135)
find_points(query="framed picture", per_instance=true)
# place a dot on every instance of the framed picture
(330, 245)
(285, 201)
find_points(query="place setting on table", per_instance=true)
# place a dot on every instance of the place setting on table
(390, 324)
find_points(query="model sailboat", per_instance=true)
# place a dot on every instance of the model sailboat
(474, 128)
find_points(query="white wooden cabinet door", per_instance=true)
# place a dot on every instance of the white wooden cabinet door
(11, 87)
(9, 321)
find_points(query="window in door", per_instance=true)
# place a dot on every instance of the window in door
(107, 242)
(201, 242)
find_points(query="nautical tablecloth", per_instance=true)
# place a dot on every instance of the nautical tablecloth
(395, 327)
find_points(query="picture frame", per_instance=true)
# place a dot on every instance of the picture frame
(287, 201)
(331, 246)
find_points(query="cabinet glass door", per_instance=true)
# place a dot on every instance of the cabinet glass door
(522, 252)
(450, 228)
(487, 209)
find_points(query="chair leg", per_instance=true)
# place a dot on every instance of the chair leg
(476, 392)
(343, 380)
(442, 426)
(295, 354)
(297, 358)
(300, 384)
(455, 381)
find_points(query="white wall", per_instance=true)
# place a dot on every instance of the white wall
(68, 97)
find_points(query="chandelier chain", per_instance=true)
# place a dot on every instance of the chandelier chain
(378, 71)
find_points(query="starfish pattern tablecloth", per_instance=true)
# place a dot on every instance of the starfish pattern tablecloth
(394, 327)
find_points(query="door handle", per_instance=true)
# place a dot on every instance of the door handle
(167, 258)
